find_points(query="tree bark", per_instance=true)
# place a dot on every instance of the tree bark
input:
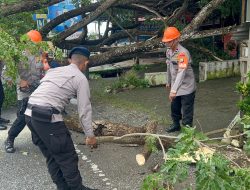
(96, 45)
(70, 14)
(128, 52)
(124, 53)
(104, 128)
(200, 17)
(143, 157)
(91, 17)
(26, 5)
(213, 32)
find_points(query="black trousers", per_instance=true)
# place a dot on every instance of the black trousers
(182, 108)
(54, 141)
(1, 96)
(19, 123)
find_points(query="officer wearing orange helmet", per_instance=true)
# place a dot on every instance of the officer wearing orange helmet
(180, 80)
(34, 36)
(30, 73)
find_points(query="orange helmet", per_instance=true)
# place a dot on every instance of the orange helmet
(34, 36)
(170, 33)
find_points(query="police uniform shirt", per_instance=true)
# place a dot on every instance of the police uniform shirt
(57, 88)
(30, 71)
(180, 74)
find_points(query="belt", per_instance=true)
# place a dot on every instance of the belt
(54, 110)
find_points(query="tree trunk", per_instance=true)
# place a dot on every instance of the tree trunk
(106, 128)
(200, 17)
(26, 5)
(128, 52)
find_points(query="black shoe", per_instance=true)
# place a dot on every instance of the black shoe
(87, 188)
(2, 120)
(9, 146)
(173, 128)
(2, 127)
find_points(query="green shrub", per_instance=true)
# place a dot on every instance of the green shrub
(129, 80)
(10, 96)
(212, 173)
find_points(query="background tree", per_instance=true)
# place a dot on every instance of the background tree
(124, 18)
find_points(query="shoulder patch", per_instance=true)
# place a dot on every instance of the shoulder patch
(182, 60)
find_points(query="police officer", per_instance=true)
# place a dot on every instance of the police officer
(30, 73)
(180, 80)
(43, 117)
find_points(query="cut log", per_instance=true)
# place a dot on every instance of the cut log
(104, 128)
(143, 157)
(106, 131)
(72, 123)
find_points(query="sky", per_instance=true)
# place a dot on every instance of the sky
(93, 27)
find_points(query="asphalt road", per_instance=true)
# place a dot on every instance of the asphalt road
(109, 167)
(112, 166)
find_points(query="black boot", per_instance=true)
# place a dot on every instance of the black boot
(62, 185)
(3, 127)
(87, 188)
(174, 127)
(63, 188)
(9, 145)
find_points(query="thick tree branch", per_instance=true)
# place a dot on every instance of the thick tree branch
(200, 17)
(82, 10)
(127, 52)
(213, 32)
(23, 6)
(95, 45)
(91, 17)
(122, 53)
(70, 14)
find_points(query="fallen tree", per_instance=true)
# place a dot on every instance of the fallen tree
(106, 131)
(117, 13)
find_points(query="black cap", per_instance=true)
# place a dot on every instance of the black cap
(80, 51)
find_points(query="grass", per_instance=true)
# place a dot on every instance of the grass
(116, 100)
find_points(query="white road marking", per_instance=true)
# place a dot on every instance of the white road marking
(94, 167)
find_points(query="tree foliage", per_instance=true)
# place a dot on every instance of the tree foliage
(124, 16)
(228, 8)
(214, 172)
